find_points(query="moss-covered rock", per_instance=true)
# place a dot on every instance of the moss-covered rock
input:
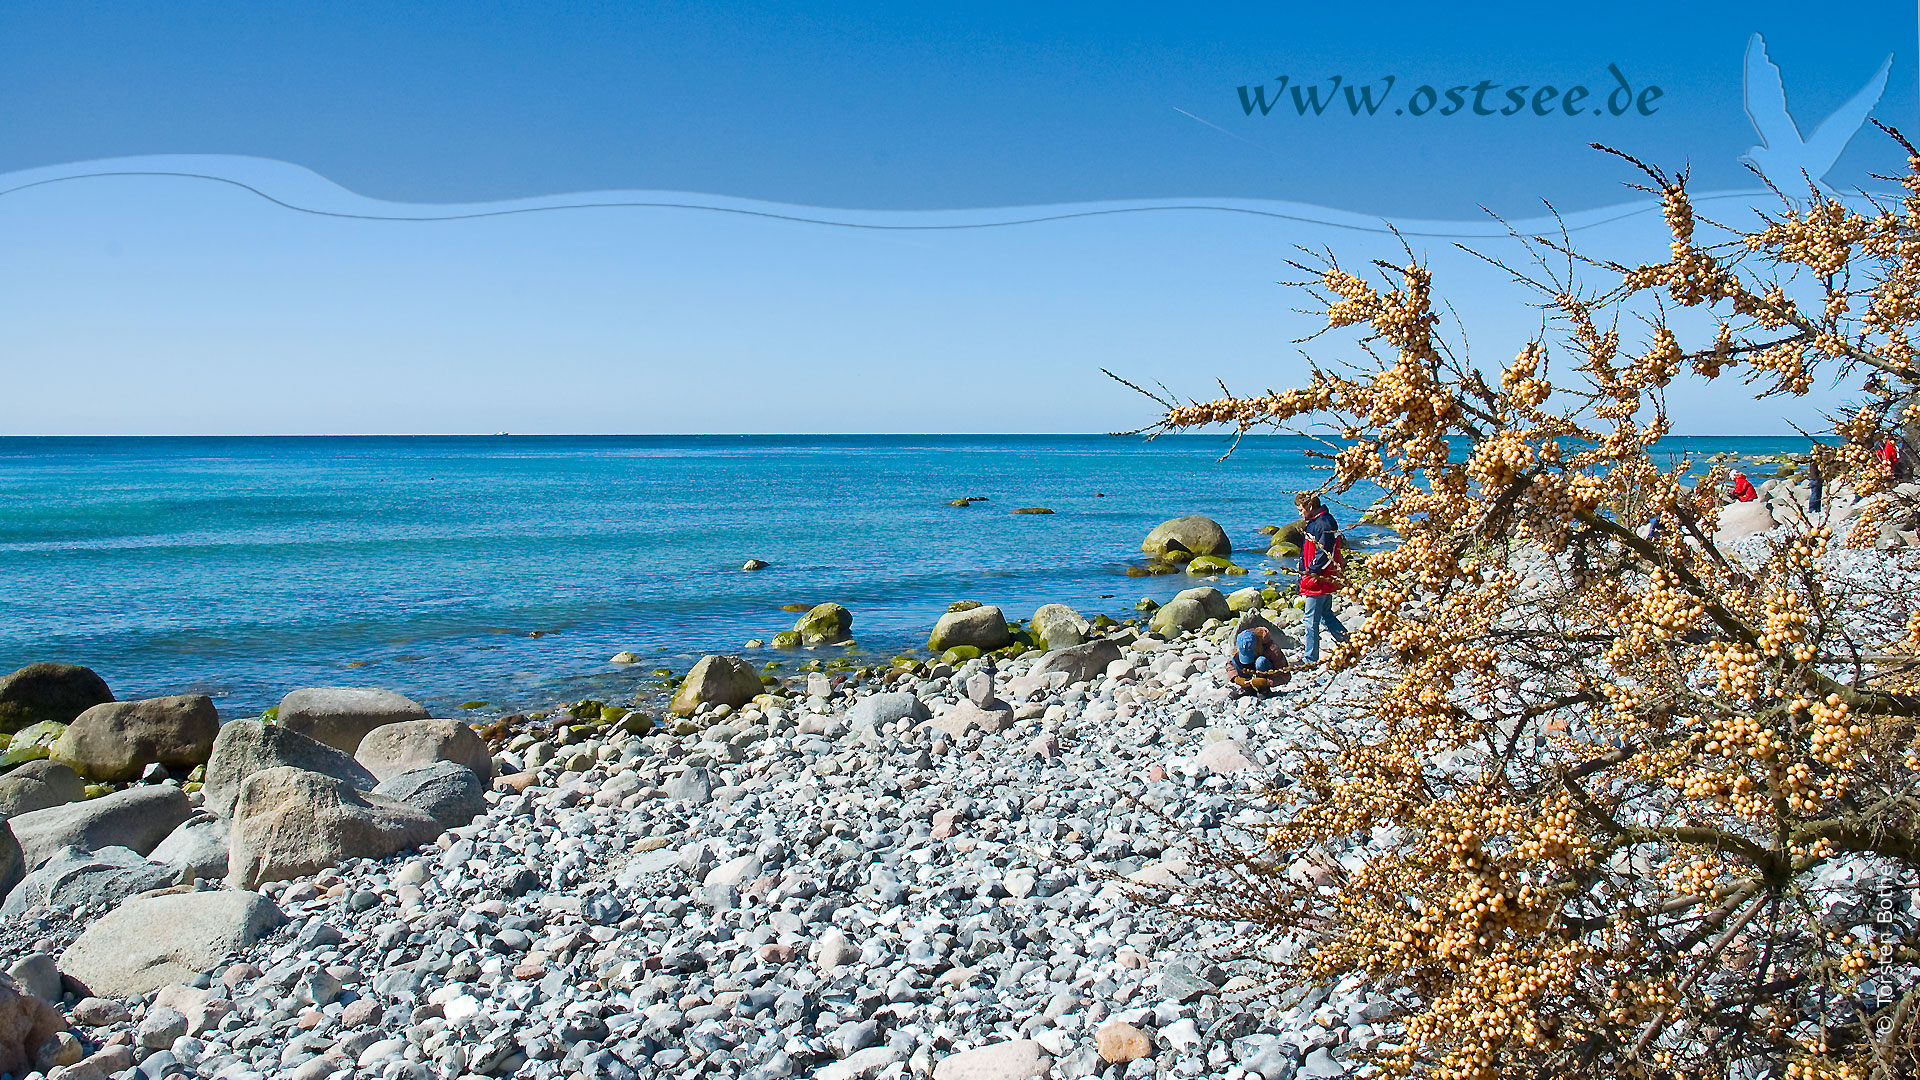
(787, 639)
(1212, 564)
(824, 624)
(1057, 626)
(32, 743)
(796, 607)
(960, 654)
(963, 605)
(1244, 600)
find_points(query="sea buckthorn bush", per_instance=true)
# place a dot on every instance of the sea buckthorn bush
(1623, 798)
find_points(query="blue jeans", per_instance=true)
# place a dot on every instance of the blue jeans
(1320, 613)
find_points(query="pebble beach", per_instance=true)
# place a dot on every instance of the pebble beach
(926, 869)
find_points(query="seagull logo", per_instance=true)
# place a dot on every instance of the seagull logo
(1784, 156)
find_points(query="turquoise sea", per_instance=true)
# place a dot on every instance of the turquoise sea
(508, 569)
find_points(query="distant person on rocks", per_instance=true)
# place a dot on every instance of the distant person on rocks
(1890, 457)
(1743, 490)
(1816, 487)
(1320, 561)
(1258, 664)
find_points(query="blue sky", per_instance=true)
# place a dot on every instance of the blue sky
(207, 310)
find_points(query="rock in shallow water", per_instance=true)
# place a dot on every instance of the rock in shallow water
(984, 628)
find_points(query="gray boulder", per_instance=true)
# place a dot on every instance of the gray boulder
(113, 741)
(984, 628)
(1183, 538)
(288, 822)
(415, 744)
(137, 818)
(1057, 626)
(449, 792)
(197, 849)
(341, 716)
(44, 691)
(38, 785)
(882, 710)
(716, 680)
(149, 942)
(1081, 662)
(73, 880)
(247, 746)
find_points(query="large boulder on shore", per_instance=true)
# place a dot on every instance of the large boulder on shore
(137, 818)
(246, 747)
(1189, 611)
(824, 625)
(46, 691)
(27, 1023)
(984, 628)
(1081, 662)
(38, 785)
(76, 880)
(717, 680)
(1057, 626)
(288, 822)
(341, 716)
(149, 942)
(447, 791)
(111, 742)
(1741, 520)
(415, 744)
(1183, 538)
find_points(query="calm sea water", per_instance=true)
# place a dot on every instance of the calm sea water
(508, 569)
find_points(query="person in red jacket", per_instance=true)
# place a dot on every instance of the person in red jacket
(1889, 455)
(1743, 488)
(1320, 559)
